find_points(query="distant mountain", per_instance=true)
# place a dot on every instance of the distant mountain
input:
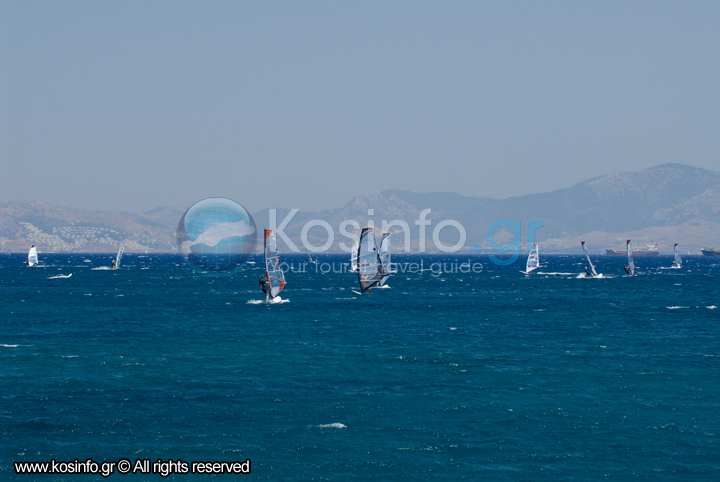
(52, 228)
(663, 204)
(605, 210)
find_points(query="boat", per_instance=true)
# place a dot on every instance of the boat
(32, 256)
(116, 263)
(369, 264)
(533, 261)
(630, 268)
(710, 251)
(677, 263)
(385, 259)
(592, 272)
(647, 250)
(273, 273)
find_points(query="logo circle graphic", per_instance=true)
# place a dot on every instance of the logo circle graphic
(216, 236)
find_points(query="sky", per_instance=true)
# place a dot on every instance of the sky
(132, 105)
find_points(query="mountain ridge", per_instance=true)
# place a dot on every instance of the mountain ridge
(603, 209)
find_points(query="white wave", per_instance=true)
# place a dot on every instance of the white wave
(676, 307)
(276, 301)
(102, 268)
(10, 346)
(453, 328)
(383, 287)
(333, 425)
(711, 307)
(61, 276)
(555, 274)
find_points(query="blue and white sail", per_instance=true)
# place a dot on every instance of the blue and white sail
(368, 261)
(273, 272)
(354, 257)
(119, 256)
(533, 261)
(385, 262)
(677, 263)
(32, 256)
(587, 255)
(631, 261)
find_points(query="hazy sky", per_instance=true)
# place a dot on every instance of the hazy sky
(134, 105)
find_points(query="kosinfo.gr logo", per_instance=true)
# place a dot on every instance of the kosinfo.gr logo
(349, 227)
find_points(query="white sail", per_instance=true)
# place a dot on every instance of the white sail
(678, 260)
(353, 257)
(533, 261)
(32, 256)
(119, 256)
(631, 261)
(587, 255)
(368, 261)
(273, 273)
(385, 258)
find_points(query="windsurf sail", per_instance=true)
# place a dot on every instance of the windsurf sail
(533, 261)
(631, 261)
(678, 260)
(587, 255)
(119, 256)
(354, 257)
(32, 256)
(310, 260)
(385, 258)
(368, 261)
(273, 273)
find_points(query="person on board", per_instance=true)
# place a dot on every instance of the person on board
(627, 270)
(263, 286)
(588, 272)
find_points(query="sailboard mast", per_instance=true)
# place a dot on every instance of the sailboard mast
(533, 261)
(273, 273)
(587, 255)
(631, 261)
(354, 257)
(368, 261)
(678, 260)
(119, 256)
(385, 258)
(32, 256)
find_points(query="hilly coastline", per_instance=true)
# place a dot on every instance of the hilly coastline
(663, 204)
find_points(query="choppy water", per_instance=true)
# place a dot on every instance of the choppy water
(477, 376)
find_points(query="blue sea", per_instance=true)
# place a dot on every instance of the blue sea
(446, 375)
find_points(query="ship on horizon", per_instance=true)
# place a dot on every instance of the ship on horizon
(647, 250)
(710, 251)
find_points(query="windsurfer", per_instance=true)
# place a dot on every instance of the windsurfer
(113, 264)
(588, 272)
(627, 270)
(263, 287)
